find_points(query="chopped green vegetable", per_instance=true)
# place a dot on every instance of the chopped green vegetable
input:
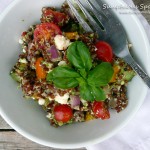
(71, 26)
(22, 66)
(15, 76)
(128, 75)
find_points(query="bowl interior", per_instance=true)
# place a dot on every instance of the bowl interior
(26, 116)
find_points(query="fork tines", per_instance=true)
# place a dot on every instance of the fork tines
(81, 21)
(88, 16)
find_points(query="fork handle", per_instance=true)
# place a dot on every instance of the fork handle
(129, 59)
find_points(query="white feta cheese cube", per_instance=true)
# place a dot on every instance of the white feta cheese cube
(24, 51)
(41, 101)
(61, 42)
(20, 41)
(62, 99)
(23, 60)
(49, 115)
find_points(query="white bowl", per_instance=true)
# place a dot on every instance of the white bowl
(27, 117)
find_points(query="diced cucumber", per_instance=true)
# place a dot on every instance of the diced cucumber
(128, 75)
(15, 76)
(22, 66)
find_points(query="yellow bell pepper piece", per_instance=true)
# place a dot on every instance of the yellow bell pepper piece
(89, 117)
(72, 35)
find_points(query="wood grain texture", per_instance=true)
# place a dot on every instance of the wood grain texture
(11, 140)
(3, 124)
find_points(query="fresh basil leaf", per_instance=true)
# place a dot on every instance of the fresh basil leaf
(100, 75)
(62, 72)
(79, 56)
(98, 93)
(49, 76)
(65, 83)
(85, 91)
(63, 77)
(90, 93)
(81, 81)
(83, 73)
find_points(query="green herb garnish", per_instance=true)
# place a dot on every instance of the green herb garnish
(63, 77)
(79, 56)
(89, 81)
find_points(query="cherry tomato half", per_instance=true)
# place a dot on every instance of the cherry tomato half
(104, 51)
(56, 17)
(40, 72)
(63, 113)
(45, 31)
(100, 110)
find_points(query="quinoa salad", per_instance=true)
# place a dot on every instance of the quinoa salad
(73, 75)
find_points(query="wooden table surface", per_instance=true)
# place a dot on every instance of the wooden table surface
(11, 140)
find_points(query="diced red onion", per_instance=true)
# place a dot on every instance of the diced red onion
(55, 55)
(74, 100)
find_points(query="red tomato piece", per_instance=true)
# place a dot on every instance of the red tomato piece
(45, 31)
(56, 17)
(23, 34)
(104, 51)
(100, 110)
(62, 113)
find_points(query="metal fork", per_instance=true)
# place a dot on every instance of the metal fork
(112, 32)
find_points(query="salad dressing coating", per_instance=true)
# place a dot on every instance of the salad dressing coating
(64, 70)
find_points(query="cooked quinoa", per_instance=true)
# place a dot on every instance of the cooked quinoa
(45, 92)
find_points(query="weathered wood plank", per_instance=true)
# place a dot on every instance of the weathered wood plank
(11, 140)
(3, 124)
(14, 141)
